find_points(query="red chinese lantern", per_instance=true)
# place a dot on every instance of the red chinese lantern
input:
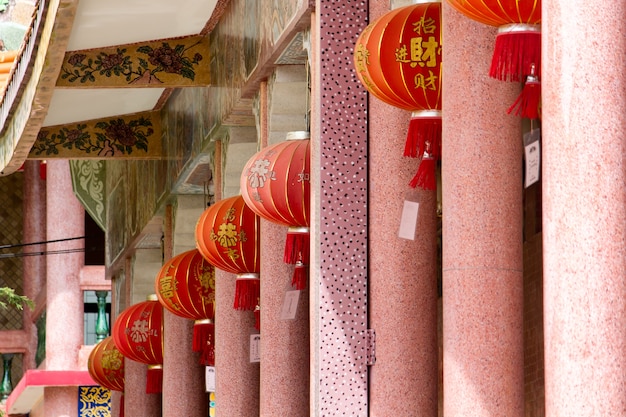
(227, 235)
(106, 365)
(275, 184)
(185, 286)
(398, 60)
(517, 52)
(138, 334)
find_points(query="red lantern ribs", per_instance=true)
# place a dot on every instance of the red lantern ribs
(517, 52)
(398, 60)
(227, 236)
(138, 334)
(275, 184)
(185, 286)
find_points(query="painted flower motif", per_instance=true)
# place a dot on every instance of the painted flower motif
(122, 133)
(76, 59)
(167, 58)
(111, 61)
(177, 59)
(73, 135)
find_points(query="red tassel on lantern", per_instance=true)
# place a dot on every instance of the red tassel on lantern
(426, 177)
(527, 104)
(154, 379)
(424, 127)
(122, 406)
(247, 291)
(518, 46)
(203, 331)
(300, 275)
(297, 245)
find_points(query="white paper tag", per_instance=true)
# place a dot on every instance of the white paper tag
(408, 222)
(255, 348)
(290, 305)
(533, 157)
(209, 378)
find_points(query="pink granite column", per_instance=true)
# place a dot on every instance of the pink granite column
(64, 302)
(64, 306)
(584, 210)
(402, 272)
(284, 343)
(117, 403)
(237, 380)
(183, 376)
(483, 359)
(34, 266)
(136, 402)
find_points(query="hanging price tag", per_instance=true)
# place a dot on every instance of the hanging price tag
(290, 305)
(532, 153)
(255, 348)
(209, 379)
(408, 222)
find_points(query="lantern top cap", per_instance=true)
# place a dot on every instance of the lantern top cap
(152, 297)
(519, 27)
(298, 135)
(401, 3)
(248, 275)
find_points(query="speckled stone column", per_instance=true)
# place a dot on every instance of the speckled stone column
(64, 303)
(403, 272)
(182, 371)
(60, 401)
(482, 229)
(236, 379)
(284, 343)
(136, 402)
(34, 266)
(584, 210)
(117, 403)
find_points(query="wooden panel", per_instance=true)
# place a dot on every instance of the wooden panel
(178, 62)
(133, 136)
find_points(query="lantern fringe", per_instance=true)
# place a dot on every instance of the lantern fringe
(257, 317)
(247, 292)
(527, 103)
(203, 342)
(300, 276)
(514, 53)
(426, 177)
(423, 130)
(154, 379)
(296, 248)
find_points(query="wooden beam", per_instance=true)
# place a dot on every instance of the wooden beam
(175, 62)
(131, 136)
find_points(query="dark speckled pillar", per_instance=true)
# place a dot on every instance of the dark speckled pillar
(482, 229)
(584, 207)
